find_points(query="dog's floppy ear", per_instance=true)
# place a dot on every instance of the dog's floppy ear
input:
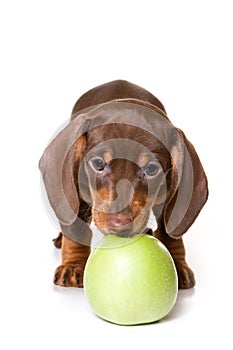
(187, 187)
(58, 166)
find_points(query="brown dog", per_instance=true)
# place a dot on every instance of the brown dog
(117, 160)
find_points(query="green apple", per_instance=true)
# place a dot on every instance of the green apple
(130, 281)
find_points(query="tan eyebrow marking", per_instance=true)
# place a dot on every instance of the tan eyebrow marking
(107, 156)
(143, 159)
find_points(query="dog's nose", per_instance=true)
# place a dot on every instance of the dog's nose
(118, 220)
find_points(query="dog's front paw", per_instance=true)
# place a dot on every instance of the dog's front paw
(186, 277)
(69, 276)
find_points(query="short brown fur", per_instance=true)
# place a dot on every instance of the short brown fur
(74, 255)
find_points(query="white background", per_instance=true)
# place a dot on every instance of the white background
(51, 53)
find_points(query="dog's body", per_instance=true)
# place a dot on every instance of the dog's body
(116, 172)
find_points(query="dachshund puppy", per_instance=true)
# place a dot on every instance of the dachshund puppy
(119, 159)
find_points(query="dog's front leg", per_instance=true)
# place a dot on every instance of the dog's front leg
(74, 251)
(74, 257)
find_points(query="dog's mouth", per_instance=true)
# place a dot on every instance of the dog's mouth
(124, 226)
(127, 233)
(120, 224)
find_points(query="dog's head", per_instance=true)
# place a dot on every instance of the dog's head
(124, 158)
(123, 172)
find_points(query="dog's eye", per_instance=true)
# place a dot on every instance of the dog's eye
(98, 163)
(151, 169)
